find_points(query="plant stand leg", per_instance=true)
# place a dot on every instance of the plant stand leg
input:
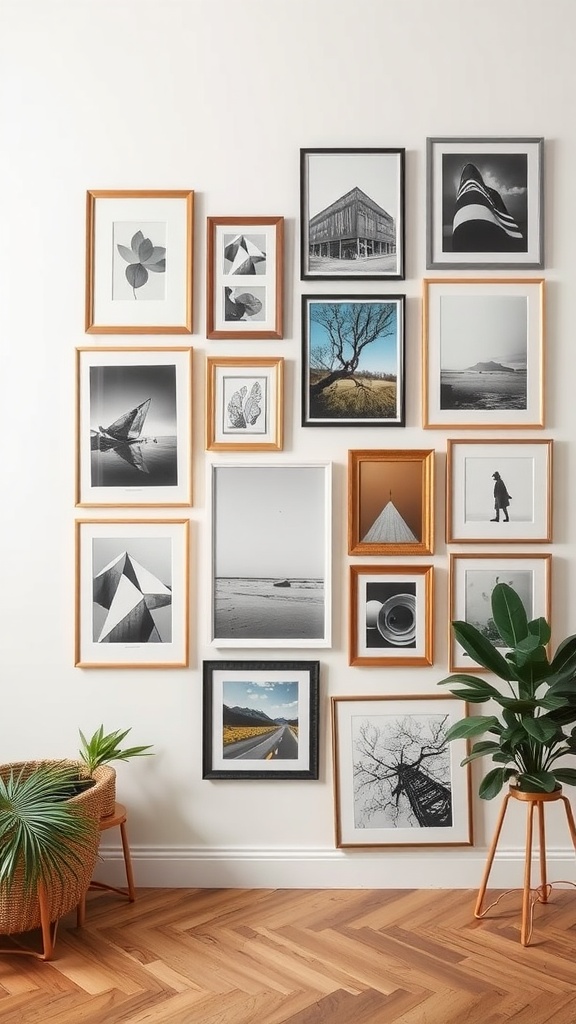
(526, 929)
(490, 860)
(127, 862)
(570, 820)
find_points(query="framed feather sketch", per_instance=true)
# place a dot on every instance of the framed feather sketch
(244, 403)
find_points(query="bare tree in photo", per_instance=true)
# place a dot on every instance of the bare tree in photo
(402, 772)
(349, 328)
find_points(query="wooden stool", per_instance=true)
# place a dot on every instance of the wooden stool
(535, 802)
(117, 819)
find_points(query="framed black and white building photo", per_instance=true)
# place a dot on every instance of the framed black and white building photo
(391, 615)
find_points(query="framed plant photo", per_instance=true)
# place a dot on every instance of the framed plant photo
(391, 502)
(244, 403)
(132, 593)
(483, 353)
(397, 782)
(271, 555)
(353, 361)
(260, 719)
(352, 214)
(391, 615)
(499, 491)
(139, 262)
(245, 277)
(485, 206)
(134, 422)
(472, 580)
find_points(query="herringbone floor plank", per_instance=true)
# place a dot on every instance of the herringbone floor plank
(259, 956)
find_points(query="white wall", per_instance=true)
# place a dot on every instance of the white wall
(219, 97)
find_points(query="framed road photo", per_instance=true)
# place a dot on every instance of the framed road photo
(271, 544)
(244, 403)
(353, 361)
(472, 580)
(132, 593)
(390, 502)
(397, 782)
(391, 615)
(483, 353)
(352, 214)
(485, 206)
(134, 425)
(139, 262)
(245, 277)
(499, 491)
(260, 719)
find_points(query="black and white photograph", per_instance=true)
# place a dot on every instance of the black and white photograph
(398, 780)
(244, 403)
(139, 262)
(132, 593)
(352, 214)
(485, 202)
(134, 424)
(483, 353)
(391, 615)
(271, 533)
(472, 580)
(245, 277)
(499, 491)
(260, 719)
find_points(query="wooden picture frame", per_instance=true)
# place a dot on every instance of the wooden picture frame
(244, 403)
(391, 615)
(391, 501)
(245, 273)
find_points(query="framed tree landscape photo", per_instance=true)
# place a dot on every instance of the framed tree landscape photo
(245, 260)
(472, 580)
(134, 423)
(483, 353)
(397, 781)
(139, 262)
(485, 203)
(391, 615)
(499, 491)
(352, 214)
(390, 501)
(353, 361)
(244, 403)
(260, 719)
(132, 593)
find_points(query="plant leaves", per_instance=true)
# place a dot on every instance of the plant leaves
(473, 682)
(481, 749)
(540, 729)
(481, 650)
(537, 782)
(127, 254)
(145, 250)
(509, 615)
(541, 629)
(136, 274)
(471, 727)
(157, 268)
(566, 775)
(136, 242)
(563, 664)
(492, 783)
(472, 696)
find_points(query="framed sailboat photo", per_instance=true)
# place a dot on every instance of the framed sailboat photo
(390, 502)
(133, 427)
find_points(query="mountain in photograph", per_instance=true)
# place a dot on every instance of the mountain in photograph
(245, 716)
(491, 367)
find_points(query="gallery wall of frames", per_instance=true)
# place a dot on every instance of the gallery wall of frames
(271, 540)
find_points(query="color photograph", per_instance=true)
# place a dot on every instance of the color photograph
(390, 501)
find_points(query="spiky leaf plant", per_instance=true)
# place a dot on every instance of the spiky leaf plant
(102, 748)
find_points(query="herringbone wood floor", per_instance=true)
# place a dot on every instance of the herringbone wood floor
(236, 956)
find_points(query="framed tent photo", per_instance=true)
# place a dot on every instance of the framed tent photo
(134, 424)
(139, 262)
(391, 615)
(485, 203)
(397, 782)
(498, 491)
(352, 214)
(353, 361)
(132, 593)
(391, 502)
(260, 719)
(472, 580)
(244, 403)
(483, 353)
(245, 261)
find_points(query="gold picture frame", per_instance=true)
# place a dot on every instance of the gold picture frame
(391, 501)
(244, 280)
(244, 403)
(390, 621)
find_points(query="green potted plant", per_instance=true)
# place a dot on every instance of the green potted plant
(97, 752)
(536, 721)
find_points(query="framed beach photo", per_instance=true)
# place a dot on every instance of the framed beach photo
(472, 580)
(485, 203)
(353, 361)
(260, 719)
(397, 782)
(134, 423)
(245, 258)
(391, 615)
(483, 353)
(352, 214)
(391, 502)
(499, 491)
(271, 555)
(244, 403)
(132, 593)
(139, 262)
